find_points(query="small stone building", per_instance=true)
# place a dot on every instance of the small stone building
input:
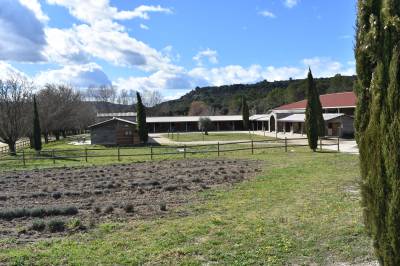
(115, 132)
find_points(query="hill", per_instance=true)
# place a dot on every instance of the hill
(261, 96)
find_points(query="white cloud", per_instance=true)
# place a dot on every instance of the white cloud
(291, 3)
(36, 8)
(326, 67)
(80, 76)
(144, 27)
(267, 13)
(210, 55)
(108, 39)
(21, 33)
(7, 71)
(142, 12)
(91, 11)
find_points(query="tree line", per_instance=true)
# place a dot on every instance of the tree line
(60, 108)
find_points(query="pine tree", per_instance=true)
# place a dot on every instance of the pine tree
(37, 137)
(314, 124)
(141, 119)
(378, 122)
(245, 114)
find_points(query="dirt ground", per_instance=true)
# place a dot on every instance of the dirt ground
(116, 192)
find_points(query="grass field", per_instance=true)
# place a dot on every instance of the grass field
(214, 136)
(303, 209)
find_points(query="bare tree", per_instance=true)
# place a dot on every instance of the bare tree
(62, 109)
(151, 97)
(103, 94)
(15, 96)
(198, 108)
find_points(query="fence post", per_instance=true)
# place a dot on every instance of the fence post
(285, 144)
(86, 155)
(54, 156)
(151, 152)
(23, 157)
(218, 148)
(338, 141)
(119, 155)
(320, 144)
(252, 147)
(184, 151)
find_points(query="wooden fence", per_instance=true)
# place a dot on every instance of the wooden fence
(19, 145)
(151, 152)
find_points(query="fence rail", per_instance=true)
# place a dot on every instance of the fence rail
(19, 145)
(156, 151)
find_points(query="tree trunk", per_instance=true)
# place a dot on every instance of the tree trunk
(46, 138)
(12, 148)
(64, 134)
(57, 135)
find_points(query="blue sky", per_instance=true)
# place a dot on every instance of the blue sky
(174, 45)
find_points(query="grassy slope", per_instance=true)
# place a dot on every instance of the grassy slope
(214, 136)
(300, 210)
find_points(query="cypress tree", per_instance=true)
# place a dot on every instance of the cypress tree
(141, 119)
(245, 114)
(314, 124)
(378, 122)
(37, 137)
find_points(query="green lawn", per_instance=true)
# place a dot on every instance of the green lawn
(302, 209)
(214, 136)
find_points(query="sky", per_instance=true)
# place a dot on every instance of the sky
(174, 46)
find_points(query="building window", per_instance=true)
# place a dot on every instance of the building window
(128, 133)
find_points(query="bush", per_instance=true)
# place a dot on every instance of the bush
(38, 225)
(38, 212)
(97, 209)
(109, 209)
(56, 226)
(56, 195)
(129, 208)
(163, 206)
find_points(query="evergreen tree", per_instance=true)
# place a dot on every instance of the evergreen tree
(141, 119)
(314, 124)
(245, 114)
(37, 137)
(378, 123)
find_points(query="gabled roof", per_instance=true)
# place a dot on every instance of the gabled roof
(113, 120)
(332, 100)
(302, 117)
(116, 114)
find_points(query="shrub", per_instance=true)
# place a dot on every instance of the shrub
(129, 208)
(97, 209)
(38, 225)
(109, 209)
(56, 195)
(70, 211)
(56, 226)
(38, 212)
(163, 206)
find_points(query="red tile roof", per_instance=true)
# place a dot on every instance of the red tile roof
(332, 100)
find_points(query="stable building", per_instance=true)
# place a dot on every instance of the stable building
(115, 132)
(338, 108)
(191, 123)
